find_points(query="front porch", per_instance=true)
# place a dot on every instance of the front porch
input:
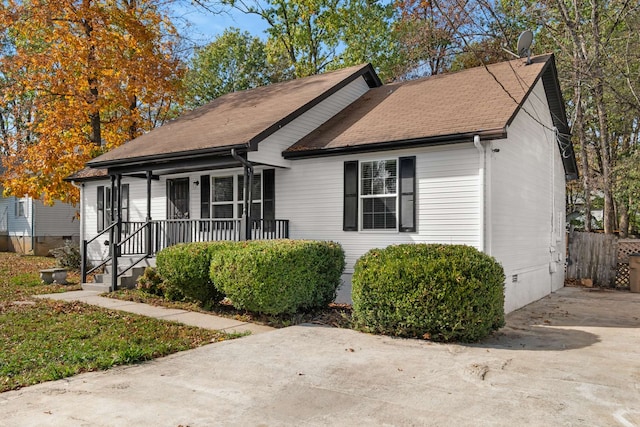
(138, 241)
(140, 209)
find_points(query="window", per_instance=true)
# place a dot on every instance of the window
(20, 208)
(256, 196)
(222, 200)
(379, 195)
(104, 205)
(228, 195)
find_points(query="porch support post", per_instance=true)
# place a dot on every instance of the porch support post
(117, 231)
(245, 222)
(249, 199)
(148, 219)
(112, 235)
(244, 235)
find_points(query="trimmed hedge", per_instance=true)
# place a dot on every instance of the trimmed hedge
(278, 276)
(185, 271)
(431, 291)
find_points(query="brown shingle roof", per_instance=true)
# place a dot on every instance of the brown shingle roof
(88, 174)
(235, 119)
(469, 101)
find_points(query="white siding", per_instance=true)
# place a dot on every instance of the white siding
(20, 225)
(97, 250)
(5, 206)
(271, 148)
(58, 220)
(526, 205)
(310, 195)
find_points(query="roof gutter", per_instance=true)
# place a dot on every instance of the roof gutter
(457, 138)
(162, 158)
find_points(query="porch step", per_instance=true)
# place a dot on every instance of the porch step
(100, 287)
(102, 282)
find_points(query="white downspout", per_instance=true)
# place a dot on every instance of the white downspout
(481, 179)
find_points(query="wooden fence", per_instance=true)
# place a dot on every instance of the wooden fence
(602, 258)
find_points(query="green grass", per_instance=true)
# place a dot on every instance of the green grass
(42, 340)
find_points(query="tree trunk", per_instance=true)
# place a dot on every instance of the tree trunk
(598, 94)
(134, 125)
(578, 128)
(92, 80)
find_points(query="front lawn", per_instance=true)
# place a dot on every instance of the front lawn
(42, 340)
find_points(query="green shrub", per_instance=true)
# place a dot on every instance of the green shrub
(185, 271)
(278, 276)
(151, 282)
(438, 292)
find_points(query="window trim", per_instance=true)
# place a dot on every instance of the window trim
(236, 202)
(21, 207)
(351, 222)
(361, 197)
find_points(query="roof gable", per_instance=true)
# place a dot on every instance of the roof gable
(441, 109)
(235, 120)
(472, 101)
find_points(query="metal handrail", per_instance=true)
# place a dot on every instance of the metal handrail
(102, 232)
(85, 244)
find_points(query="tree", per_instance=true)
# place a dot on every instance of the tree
(233, 61)
(97, 73)
(432, 33)
(598, 66)
(319, 35)
(588, 31)
(368, 36)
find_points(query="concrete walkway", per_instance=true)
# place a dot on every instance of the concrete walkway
(571, 359)
(201, 320)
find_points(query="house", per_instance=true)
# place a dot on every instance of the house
(477, 157)
(30, 226)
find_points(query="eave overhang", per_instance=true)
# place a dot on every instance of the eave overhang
(549, 76)
(457, 138)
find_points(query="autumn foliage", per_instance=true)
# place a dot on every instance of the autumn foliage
(79, 77)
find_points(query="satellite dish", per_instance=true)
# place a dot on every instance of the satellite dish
(524, 45)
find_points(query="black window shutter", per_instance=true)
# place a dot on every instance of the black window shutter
(205, 195)
(269, 194)
(100, 208)
(408, 194)
(350, 214)
(125, 202)
(269, 199)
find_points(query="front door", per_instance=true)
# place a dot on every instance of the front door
(178, 228)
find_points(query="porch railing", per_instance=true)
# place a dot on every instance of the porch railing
(148, 238)
(173, 231)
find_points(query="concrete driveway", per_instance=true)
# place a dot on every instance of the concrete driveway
(571, 359)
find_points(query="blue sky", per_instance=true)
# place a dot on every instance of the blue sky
(204, 26)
